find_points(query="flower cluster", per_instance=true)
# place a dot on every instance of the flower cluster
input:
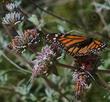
(12, 6)
(31, 36)
(80, 79)
(14, 16)
(17, 44)
(24, 40)
(43, 60)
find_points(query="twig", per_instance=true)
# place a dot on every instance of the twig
(103, 71)
(9, 71)
(73, 68)
(102, 18)
(52, 14)
(24, 12)
(100, 15)
(9, 89)
(18, 67)
(66, 66)
(27, 63)
(102, 82)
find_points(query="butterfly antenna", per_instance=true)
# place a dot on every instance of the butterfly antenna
(89, 75)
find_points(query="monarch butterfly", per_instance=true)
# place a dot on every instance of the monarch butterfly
(76, 45)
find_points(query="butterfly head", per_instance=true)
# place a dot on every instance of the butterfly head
(51, 38)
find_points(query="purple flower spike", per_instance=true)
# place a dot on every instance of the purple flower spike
(43, 61)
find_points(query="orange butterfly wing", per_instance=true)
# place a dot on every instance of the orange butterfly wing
(80, 45)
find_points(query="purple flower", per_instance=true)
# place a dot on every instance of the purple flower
(81, 82)
(12, 18)
(29, 38)
(12, 6)
(43, 61)
(80, 77)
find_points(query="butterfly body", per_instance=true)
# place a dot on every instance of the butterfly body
(76, 45)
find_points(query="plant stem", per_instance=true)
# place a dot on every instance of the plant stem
(73, 68)
(18, 67)
(52, 14)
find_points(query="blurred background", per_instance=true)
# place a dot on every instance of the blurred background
(90, 18)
